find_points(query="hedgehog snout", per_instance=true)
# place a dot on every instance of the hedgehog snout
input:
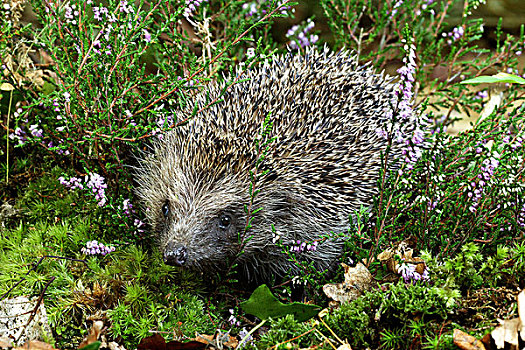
(175, 255)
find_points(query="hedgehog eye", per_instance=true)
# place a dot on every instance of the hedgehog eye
(166, 209)
(224, 221)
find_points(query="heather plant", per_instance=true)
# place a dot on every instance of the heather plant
(90, 83)
(105, 94)
(449, 190)
(468, 186)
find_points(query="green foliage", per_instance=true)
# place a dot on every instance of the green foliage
(121, 75)
(353, 322)
(128, 283)
(263, 304)
(185, 313)
(471, 270)
(285, 328)
(463, 188)
(447, 199)
(393, 317)
(498, 78)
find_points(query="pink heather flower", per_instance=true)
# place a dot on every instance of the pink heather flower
(251, 7)
(285, 9)
(232, 320)
(454, 35)
(382, 133)
(20, 135)
(124, 7)
(482, 94)
(191, 7)
(96, 248)
(71, 13)
(521, 217)
(92, 181)
(404, 92)
(18, 112)
(300, 246)
(138, 224)
(242, 334)
(97, 11)
(301, 38)
(147, 36)
(127, 207)
(410, 275)
(488, 167)
(35, 131)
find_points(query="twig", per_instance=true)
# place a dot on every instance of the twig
(33, 313)
(35, 266)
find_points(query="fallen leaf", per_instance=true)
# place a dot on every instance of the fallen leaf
(93, 334)
(404, 252)
(115, 346)
(357, 280)
(5, 343)
(154, 342)
(506, 332)
(510, 331)
(465, 341)
(263, 304)
(220, 340)
(345, 346)
(157, 342)
(35, 345)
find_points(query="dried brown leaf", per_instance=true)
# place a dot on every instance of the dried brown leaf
(93, 334)
(509, 331)
(465, 341)
(357, 280)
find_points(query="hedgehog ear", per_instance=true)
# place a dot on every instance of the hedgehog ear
(279, 203)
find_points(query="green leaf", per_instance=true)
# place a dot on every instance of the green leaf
(92, 346)
(263, 304)
(498, 78)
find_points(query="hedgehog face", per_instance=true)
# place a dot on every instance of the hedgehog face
(201, 233)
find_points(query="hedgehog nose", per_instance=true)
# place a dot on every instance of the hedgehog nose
(175, 255)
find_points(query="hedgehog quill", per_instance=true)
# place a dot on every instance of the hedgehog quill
(326, 113)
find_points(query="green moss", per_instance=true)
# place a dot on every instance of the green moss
(285, 328)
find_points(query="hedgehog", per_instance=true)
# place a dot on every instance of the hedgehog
(325, 119)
